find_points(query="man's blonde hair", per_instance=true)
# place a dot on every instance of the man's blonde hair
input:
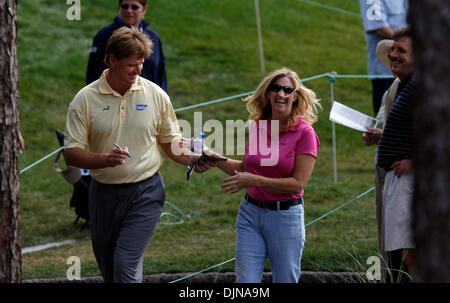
(306, 104)
(126, 42)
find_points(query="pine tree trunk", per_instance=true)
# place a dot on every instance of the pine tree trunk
(10, 251)
(431, 26)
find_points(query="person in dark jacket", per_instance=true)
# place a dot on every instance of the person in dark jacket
(131, 13)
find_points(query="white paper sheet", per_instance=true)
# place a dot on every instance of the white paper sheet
(349, 117)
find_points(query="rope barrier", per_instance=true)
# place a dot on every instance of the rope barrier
(332, 8)
(180, 219)
(203, 270)
(213, 101)
(365, 76)
(41, 160)
(306, 225)
(37, 248)
(343, 205)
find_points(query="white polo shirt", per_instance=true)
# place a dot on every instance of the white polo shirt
(98, 117)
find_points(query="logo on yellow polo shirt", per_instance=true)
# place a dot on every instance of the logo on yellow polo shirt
(141, 106)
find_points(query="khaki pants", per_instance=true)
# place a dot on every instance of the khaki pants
(397, 205)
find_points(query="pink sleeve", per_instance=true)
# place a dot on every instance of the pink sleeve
(308, 142)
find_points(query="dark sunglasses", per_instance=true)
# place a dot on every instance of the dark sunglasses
(287, 89)
(133, 7)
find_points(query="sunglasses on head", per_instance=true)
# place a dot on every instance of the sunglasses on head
(287, 89)
(133, 7)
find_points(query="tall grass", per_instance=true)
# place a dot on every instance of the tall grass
(211, 52)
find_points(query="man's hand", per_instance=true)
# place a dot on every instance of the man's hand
(200, 166)
(373, 137)
(117, 156)
(180, 152)
(384, 32)
(203, 166)
(82, 158)
(402, 167)
(21, 142)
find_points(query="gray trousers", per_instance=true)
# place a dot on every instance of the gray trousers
(123, 219)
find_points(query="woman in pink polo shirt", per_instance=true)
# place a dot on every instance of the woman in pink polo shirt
(280, 156)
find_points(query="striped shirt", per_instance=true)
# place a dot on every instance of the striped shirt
(397, 140)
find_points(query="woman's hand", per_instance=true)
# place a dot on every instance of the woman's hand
(239, 181)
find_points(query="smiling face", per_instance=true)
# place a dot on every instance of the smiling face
(401, 57)
(280, 100)
(132, 12)
(127, 69)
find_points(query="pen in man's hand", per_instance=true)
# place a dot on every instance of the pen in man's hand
(116, 145)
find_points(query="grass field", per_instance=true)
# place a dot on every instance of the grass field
(211, 51)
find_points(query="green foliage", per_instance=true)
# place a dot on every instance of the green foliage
(211, 51)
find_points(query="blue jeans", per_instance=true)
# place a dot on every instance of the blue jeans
(276, 234)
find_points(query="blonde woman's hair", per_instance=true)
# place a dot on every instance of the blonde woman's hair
(306, 104)
(126, 42)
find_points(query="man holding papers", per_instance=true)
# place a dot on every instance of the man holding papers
(394, 156)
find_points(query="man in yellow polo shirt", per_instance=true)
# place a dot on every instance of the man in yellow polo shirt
(122, 118)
